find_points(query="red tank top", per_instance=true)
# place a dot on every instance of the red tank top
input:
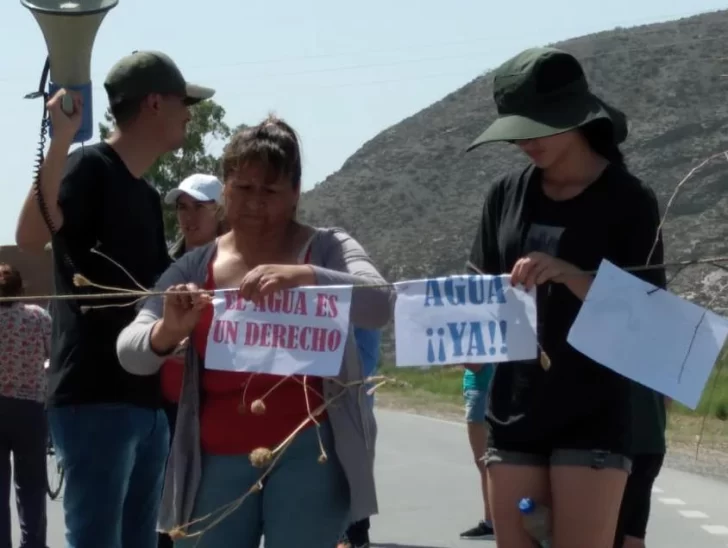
(227, 425)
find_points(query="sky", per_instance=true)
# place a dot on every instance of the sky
(339, 72)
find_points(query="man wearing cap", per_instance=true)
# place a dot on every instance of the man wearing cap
(105, 223)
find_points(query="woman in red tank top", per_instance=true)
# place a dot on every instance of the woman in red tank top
(303, 503)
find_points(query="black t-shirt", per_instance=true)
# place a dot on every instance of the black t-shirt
(615, 218)
(107, 209)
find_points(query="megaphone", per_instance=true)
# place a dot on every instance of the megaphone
(69, 28)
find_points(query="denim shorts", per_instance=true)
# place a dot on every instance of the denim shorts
(475, 405)
(590, 458)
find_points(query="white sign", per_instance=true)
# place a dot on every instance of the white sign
(300, 331)
(648, 334)
(464, 319)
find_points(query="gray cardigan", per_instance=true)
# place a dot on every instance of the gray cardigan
(337, 259)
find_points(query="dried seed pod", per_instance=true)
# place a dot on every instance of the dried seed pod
(177, 533)
(258, 407)
(79, 280)
(261, 457)
(545, 361)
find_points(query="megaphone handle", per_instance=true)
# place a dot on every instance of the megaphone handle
(67, 104)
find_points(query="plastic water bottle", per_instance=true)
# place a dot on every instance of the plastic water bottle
(536, 521)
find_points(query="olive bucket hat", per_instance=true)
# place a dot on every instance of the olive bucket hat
(542, 92)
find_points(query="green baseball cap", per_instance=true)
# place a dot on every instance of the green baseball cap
(542, 92)
(144, 72)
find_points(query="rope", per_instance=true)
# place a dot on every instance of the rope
(120, 292)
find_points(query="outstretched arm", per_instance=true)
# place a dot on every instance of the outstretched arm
(32, 232)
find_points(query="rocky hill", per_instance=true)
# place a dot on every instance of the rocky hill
(412, 196)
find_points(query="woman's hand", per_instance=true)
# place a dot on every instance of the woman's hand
(183, 305)
(538, 268)
(270, 278)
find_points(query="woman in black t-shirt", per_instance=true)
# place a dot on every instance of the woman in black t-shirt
(560, 434)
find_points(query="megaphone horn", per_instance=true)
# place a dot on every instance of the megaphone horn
(69, 28)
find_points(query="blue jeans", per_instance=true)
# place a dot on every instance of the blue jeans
(114, 457)
(303, 503)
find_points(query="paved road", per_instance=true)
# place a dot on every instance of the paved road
(428, 493)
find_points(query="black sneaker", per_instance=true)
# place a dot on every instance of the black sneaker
(482, 531)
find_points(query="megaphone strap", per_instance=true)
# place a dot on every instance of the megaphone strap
(43, 81)
(40, 157)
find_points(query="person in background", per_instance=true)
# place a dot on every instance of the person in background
(560, 430)
(108, 426)
(368, 344)
(649, 421)
(25, 333)
(476, 380)
(306, 501)
(198, 204)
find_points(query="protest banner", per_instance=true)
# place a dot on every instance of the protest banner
(299, 331)
(463, 319)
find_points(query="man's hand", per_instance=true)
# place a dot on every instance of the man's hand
(65, 126)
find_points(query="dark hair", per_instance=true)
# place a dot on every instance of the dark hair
(10, 286)
(273, 143)
(126, 111)
(599, 136)
(179, 247)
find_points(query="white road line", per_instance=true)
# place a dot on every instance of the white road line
(716, 529)
(656, 489)
(671, 501)
(693, 514)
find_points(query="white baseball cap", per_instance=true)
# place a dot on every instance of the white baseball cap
(205, 188)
